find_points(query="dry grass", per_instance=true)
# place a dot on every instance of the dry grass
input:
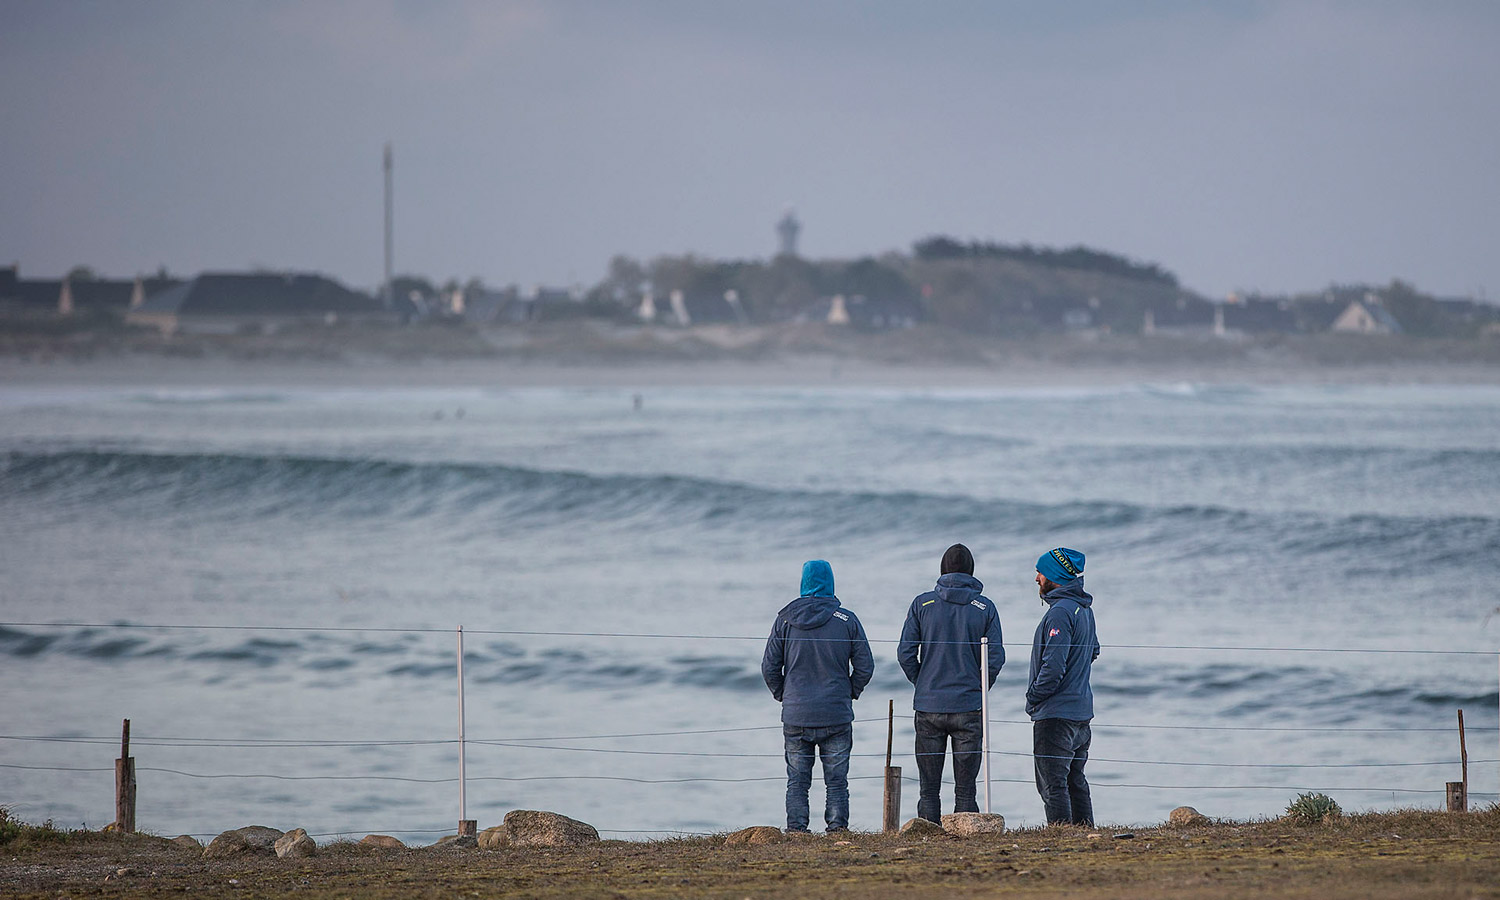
(1402, 854)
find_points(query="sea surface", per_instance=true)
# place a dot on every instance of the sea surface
(268, 584)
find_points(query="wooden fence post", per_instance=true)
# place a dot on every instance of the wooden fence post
(891, 819)
(1458, 791)
(125, 784)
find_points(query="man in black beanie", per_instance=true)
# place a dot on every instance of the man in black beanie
(939, 652)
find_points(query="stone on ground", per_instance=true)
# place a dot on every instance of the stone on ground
(920, 827)
(260, 837)
(295, 844)
(968, 824)
(188, 842)
(754, 836)
(1186, 815)
(538, 828)
(383, 841)
(492, 838)
(230, 845)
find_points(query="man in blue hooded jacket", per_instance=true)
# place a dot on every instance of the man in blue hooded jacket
(817, 662)
(939, 652)
(1058, 696)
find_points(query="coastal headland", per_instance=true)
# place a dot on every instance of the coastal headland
(1396, 854)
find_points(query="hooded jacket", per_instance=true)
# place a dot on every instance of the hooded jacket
(817, 659)
(1062, 654)
(939, 649)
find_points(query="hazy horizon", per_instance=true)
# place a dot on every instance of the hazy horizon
(1272, 146)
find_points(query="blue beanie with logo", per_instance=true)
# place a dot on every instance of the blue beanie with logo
(1061, 565)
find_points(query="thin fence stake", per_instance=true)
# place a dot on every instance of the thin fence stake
(984, 712)
(466, 825)
(891, 812)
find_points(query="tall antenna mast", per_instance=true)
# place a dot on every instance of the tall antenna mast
(390, 225)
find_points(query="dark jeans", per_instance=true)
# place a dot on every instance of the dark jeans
(1060, 748)
(835, 743)
(933, 731)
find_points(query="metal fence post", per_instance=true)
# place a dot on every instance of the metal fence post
(984, 712)
(466, 825)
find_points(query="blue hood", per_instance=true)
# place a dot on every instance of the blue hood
(807, 613)
(956, 587)
(817, 578)
(1071, 590)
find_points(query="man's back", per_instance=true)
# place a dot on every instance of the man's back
(817, 661)
(939, 649)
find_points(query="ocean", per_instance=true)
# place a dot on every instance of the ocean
(268, 583)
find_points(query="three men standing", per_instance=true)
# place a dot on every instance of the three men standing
(817, 661)
(939, 652)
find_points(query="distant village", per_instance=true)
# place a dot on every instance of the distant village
(980, 288)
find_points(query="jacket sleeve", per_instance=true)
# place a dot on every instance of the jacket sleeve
(911, 639)
(1054, 666)
(773, 663)
(861, 660)
(997, 644)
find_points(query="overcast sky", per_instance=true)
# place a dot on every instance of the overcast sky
(1245, 145)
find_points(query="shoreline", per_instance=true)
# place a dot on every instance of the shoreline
(800, 371)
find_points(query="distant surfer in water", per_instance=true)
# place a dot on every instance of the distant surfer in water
(817, 662)
(1059, 699)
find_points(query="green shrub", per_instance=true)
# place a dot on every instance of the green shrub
(1312, 808)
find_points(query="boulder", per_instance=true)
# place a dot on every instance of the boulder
(295, 844)
(188, 842)
(260, 837)
(1186, 815)
(383, 841)
(537, 828)
(457, 841)
(754, 836)
(493, 838)
(920, 827)
(230, 845)
(969, 824)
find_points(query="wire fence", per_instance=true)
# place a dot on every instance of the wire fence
(561, 745)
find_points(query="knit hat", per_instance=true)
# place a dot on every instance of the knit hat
(958, 559)
(817, 578)
(1061, 565)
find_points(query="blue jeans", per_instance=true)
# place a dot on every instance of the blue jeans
(934, 730)
(835, 742)
(1060, 748)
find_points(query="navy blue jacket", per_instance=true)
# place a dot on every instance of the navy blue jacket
(939, 649)
(1062, 653)
(817, 662)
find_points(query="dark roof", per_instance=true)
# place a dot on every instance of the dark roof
(38, 293)
(101, 294)
(8, 277)
(225, 294)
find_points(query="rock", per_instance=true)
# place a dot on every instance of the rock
(537, 828)
(970, 823)
(920, 827)
(457, 841)
(754, 836)
(493, 838)
(125, 870)
(260, 837)
(295, 844)
(1186, 815)
(383, 841)
(230, 845)
(188, 842)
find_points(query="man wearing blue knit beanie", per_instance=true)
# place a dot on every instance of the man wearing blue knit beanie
(1058, 696)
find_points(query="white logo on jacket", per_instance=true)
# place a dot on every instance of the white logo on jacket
(841, 616)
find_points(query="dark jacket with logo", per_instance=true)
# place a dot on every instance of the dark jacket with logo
(939, 649)
(817, 662)
(1062, 655)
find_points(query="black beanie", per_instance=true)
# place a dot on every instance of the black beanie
(958, 559)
